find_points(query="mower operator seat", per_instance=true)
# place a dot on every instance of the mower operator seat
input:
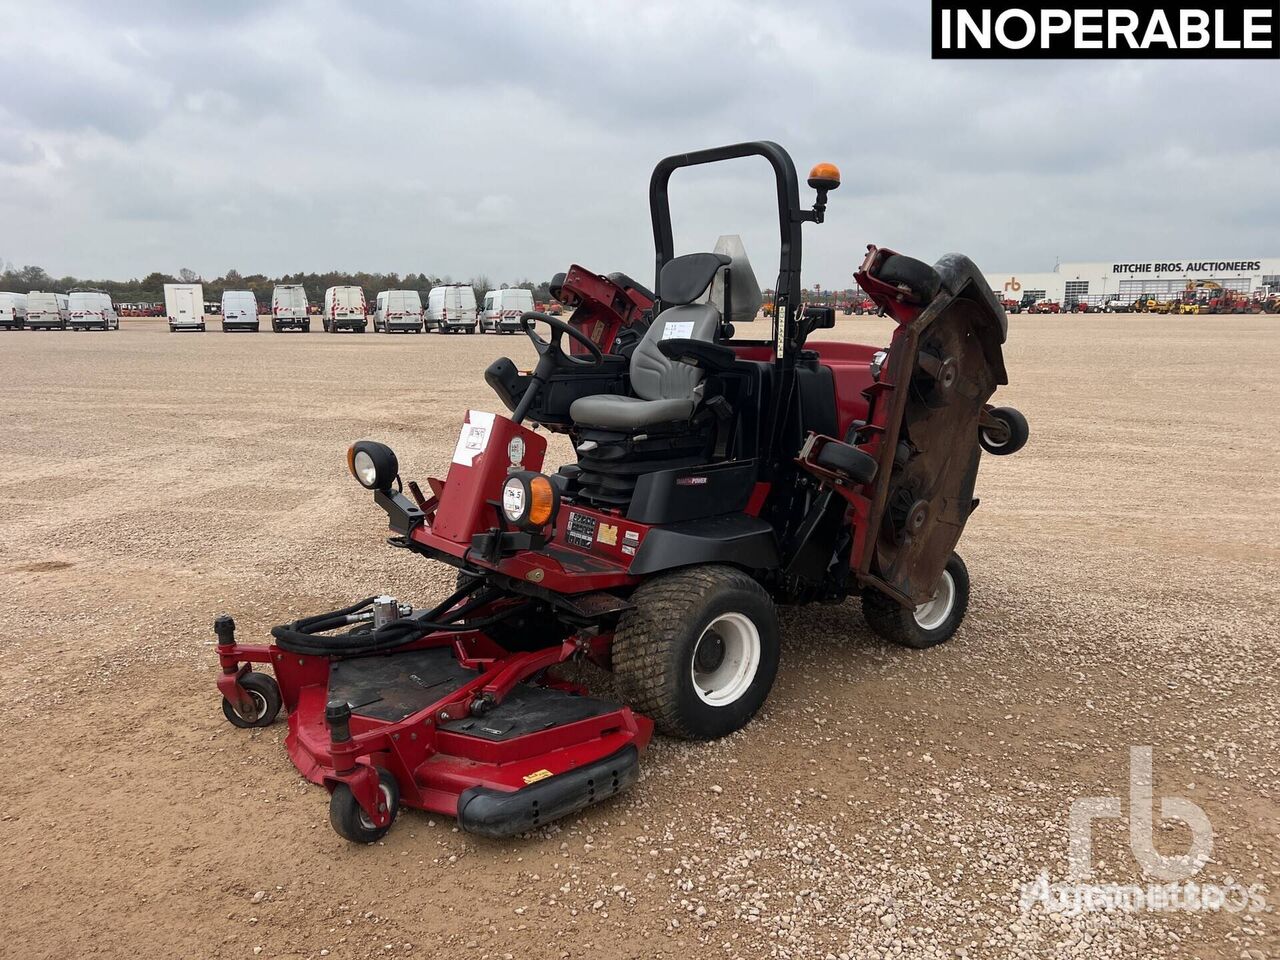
(665, 390)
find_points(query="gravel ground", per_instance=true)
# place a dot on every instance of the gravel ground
(886, 803)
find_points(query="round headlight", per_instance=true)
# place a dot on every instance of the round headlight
(515, 500)
(365, 469)
(373, 464)
(529, 500)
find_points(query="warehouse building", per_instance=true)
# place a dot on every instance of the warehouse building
(1096, 283)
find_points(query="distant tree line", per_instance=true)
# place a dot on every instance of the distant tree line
(150, 289)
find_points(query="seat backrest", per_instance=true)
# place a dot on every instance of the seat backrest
(685, 279)
(655, 376)
(688, 286)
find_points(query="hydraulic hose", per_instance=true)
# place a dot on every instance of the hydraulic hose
(307, 636)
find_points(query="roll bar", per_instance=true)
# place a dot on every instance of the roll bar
(790, 217)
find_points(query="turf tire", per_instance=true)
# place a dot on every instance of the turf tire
(654, 647)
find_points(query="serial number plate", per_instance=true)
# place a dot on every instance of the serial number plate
(581, 530)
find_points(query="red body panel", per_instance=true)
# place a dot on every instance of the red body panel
(476, 475)
(850, 365)
(601, 308)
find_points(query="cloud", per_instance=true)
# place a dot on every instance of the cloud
(511, 138)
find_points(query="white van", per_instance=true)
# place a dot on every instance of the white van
(13, 310)
(452, 307)
(239, 311)
(184, 306)
(344, 308)
(502, 310)
(398, 310)
(47, 311)
(91, 309)
(289, 308)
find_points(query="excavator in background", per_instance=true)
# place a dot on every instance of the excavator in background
(1209, 296)
(1199, 297)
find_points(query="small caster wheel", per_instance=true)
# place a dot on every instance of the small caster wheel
(933, 622)
(1009, 436)
(350, 820)
(265, 694)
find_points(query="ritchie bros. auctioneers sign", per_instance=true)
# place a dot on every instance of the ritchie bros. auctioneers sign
(1190, 266)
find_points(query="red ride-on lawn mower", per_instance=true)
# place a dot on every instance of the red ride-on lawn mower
(716, 474)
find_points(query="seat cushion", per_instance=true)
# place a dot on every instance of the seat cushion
(614, 412)
(654, 375)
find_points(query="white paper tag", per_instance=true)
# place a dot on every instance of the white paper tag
(677, 330)
(474, 437)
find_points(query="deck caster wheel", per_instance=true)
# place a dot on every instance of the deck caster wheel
(348, 817)
(917, 282)
(265, 693)
(933, 622)
(1009, 435)
(699, 652)
(845, 458)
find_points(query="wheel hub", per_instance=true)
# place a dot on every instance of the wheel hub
(259, 707)
(933, 612)
(710, 653)
(726, 659)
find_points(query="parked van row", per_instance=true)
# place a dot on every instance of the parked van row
(37, 310)
(451, 308)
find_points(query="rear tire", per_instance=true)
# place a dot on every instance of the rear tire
(699, 652)
(927, 625)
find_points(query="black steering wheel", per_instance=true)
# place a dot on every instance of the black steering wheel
(552, 349)
(551, 356)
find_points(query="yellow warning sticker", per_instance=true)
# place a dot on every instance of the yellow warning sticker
(608, 534)
(536, 776)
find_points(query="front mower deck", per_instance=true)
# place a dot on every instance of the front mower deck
(495, 742)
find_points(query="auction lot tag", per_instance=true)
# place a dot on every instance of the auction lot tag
(473, 438)
(677, 330)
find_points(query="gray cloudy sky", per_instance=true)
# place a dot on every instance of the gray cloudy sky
(512, 138)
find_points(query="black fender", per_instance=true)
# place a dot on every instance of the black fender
(736, 539)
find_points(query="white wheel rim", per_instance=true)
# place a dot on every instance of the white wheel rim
(993, 442)
(365, 821)
(725, 680)
(260, 702)
(933, 613)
